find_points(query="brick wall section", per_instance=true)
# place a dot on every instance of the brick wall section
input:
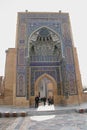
(1, 90)
(84, 96)
(9, 76)
(1, 85)
(78, 76)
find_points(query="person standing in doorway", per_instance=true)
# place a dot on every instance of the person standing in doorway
(49, 101)
(36, 101)
(44, 100)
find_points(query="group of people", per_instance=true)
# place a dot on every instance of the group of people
(50, 101)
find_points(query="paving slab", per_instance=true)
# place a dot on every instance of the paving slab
(63, 121)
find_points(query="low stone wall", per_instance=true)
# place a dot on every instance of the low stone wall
(13, 114)
(21, 101)
(85, 97)
(81, 110)
(73, 100)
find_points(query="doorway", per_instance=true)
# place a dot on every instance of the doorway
(45, 87)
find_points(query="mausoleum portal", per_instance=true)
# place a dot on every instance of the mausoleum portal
(45, 49)
(44, 61)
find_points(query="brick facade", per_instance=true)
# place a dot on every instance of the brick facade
(44, 55)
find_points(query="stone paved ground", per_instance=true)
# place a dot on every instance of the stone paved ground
(63, 121)
(74, 121)
(6, 122)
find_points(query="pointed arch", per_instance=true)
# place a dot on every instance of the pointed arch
(45, 75)
(50, 29)
(36, 32)
(44, 35)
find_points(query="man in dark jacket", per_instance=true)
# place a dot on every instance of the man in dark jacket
(44, 100)
(36, 101)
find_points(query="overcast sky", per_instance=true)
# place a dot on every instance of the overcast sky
(78, 16)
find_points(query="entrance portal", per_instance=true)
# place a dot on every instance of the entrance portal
(46, 86)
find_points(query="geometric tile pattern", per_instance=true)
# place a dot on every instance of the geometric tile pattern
(59, 25)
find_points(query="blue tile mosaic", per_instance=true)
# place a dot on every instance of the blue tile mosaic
(28, 23)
